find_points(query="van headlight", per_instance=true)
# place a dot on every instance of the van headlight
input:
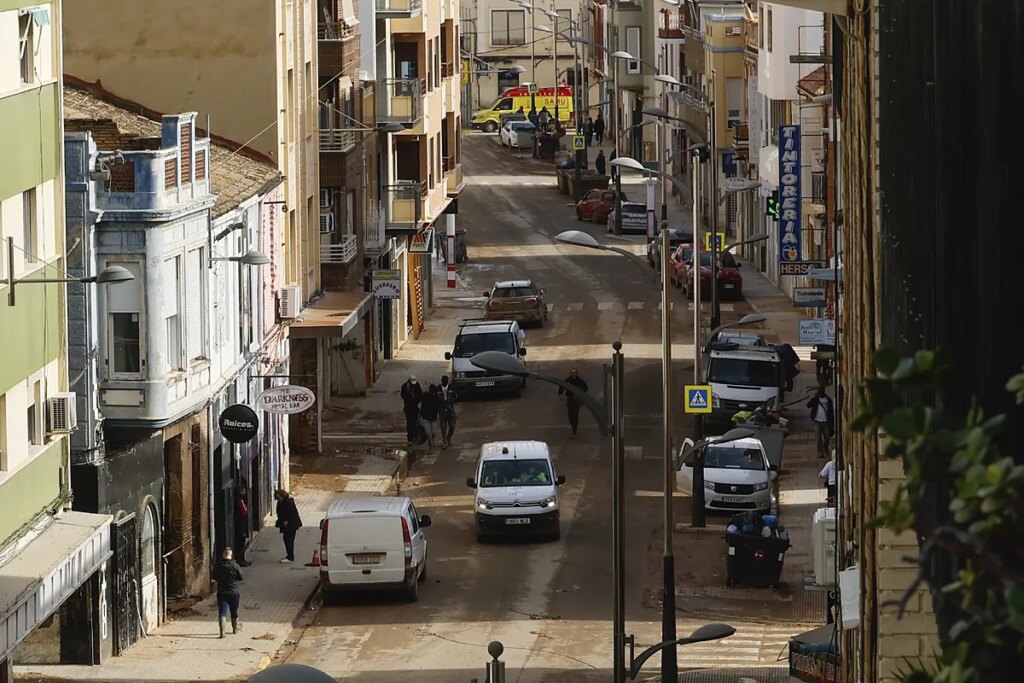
(460, 375)
(761, 487)
(549, 502)
(484, 504)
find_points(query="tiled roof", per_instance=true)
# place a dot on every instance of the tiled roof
(235, 176)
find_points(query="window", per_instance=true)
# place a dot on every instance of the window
(27, 46)
(564, 24)
(350, 210)
(124, 313)
(760, 27)
(172, 321)
(148, 545)
(34, 414)
(30, 226)
(633, 48)
(533, 472)
(194, 307)
(733, 99)
(768, 29)
(508, 27)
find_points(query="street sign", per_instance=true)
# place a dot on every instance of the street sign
(720, 241)
(579, 143)
(386, 284)
(739, 183)
(808, 297)
(817, 331)
(533, 88)
(239, 423)
(799, 267)
(790, 242)
(286, 400)
(698, 398)
(827, 274)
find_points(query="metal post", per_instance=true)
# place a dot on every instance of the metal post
(618, 535)
(617, 215)
(554, 56)
(450, 242)
(697, 493)
(662, 150)
(10, 271)
(652, 221)
(716, 311)
(669, 663)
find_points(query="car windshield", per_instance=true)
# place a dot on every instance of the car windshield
(510, 292)
(634, 209)
(726, 458)
(535, 472)
(467, 345)
(522, 125)
(755, 373)
(725, 260)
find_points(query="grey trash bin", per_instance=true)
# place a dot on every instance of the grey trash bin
(461, 249)
(524, 137)
(772, 439)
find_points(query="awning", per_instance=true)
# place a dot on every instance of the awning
(44, 573)
(335, 315)
(813, 84)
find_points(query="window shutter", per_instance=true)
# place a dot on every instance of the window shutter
(169, 282)
(194, 303)
(125, 297)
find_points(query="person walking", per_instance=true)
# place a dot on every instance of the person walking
(823, 416)
(588, 131)
(289, 522)
(447, 416)
(828, 476)
(227, 575)
(599, 129)
(241, 519)
(571, 402)
(412, 394)
(543, 118)
(600, 163)
(430, 411)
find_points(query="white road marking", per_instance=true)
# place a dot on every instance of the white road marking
(636, 305)
(605, 305)
(725, 307)
(671, 306)
(428, 458)
(468, 455)
(551, 307)
(574, 307)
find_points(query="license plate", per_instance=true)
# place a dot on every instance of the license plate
(485, 384)
(734, 499)
(367, 558)
(729, 286)
(517, 520)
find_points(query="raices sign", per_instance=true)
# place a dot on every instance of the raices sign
(287, 399)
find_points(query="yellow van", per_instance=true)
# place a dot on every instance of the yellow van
(513, 99)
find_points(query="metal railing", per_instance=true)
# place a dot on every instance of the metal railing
(343, 252)
(447, 70)
(403, 204)
(819, 187)
(670, 25)
(399, 100)
(374, 235)
(447, 163)
(338, 139)
(399, 7)
(333, 30)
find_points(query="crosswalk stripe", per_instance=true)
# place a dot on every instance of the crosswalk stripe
(574, 307)
(551, 307)
(671, 306)
(725, 307)
(636, 305)
(605, 305)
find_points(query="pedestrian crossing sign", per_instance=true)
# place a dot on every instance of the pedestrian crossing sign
(578, 143)
(719, 241)
(698, 398)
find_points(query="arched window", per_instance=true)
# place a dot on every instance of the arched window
(148, 543)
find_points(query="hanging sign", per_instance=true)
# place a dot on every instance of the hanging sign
(790, 244)
(386, 283)
(286, 400)
(239, 423)
(422, 242)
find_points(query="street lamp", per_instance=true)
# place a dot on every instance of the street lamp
(111, 275)
(702, 634)
(697, 497)
(249, 258)
(497, 361)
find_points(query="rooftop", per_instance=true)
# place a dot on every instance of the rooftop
(235, 177)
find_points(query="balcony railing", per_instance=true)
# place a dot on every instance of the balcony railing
(403, 205)
(741, 135)
(374, 236)
(452, 172)
(399, 8)
(399, 100)
(343, 252)
(337, 49)
(447, 70)
(670, 25)
(819, 187)
(338, 139)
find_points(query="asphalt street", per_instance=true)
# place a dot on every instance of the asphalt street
(549, 603)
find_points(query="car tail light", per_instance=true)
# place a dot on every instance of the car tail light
(531, 300)
(323, 543)
(407, 542)
(494, 304)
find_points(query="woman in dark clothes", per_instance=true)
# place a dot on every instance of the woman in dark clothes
(227, 575)
(288, 521)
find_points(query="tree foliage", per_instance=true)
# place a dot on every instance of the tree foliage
(956, 459)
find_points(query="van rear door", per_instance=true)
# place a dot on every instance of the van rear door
(365, 548)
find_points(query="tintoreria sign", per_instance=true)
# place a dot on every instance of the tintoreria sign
(286, 400)
(790, 244)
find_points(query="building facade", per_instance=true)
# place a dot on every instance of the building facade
(47, 551)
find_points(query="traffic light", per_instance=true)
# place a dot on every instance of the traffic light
(771, 205)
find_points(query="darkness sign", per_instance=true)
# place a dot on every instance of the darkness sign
(239, 423)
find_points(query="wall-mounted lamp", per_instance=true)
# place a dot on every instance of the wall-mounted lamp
(108, 276)
(249, 258)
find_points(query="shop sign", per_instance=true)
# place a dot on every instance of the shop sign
(239, 423)
(286, 400)
(386, 283)
(790, 244)
(808, 297)
(817, 332)
(422, 242)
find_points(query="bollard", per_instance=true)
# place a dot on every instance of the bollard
(495, 668)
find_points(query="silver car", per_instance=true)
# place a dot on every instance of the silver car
(634, 217)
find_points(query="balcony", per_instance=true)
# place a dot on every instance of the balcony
(400, 100)
(337, 49)
(398, 9)
(819, 187)
(670, 25)
(338, 139)
(343, 252)
(453, 174)
(403, 205)
(374, 235)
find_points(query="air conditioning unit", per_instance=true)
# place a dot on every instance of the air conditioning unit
(62, 413)
(289, 301)
(325, 199)
(326, 223)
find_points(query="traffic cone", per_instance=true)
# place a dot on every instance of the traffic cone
(315, 562)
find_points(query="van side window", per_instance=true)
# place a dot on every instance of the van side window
(504, 104)
(415, 519)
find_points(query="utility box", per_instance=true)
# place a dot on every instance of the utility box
(823, 546)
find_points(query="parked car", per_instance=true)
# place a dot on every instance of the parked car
(516, 300)
(373, 543)
(730, 281)
(476, 336)
(596, 205)
(509, 135)
(677, 263)
(634, 217)
(676, 237)
(737, 475)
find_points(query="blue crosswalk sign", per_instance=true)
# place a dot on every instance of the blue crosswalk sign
(698, 398)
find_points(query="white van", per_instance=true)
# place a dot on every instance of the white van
(516, 490)
(374, 543)
(742, 378)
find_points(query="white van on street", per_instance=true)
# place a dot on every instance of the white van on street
(373, 543)
(742, 378)
(516, 490)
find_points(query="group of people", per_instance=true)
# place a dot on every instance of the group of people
(430, 413)
(593, 131)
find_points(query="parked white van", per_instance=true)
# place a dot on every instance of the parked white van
(373, 543)
(516, 490)
(742, 378)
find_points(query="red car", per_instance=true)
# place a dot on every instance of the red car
(730, 282)
(677, 263)
(596, 205)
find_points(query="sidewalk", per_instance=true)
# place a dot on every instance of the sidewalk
(187, 648)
